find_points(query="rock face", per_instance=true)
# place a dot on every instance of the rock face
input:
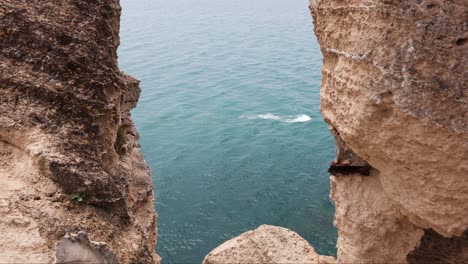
(394, 91)
(69, 154)
(266, 244)
(372, 230)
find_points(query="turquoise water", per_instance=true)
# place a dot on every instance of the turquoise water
(228, 90)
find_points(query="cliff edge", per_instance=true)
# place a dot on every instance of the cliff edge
(394, 94)
(70, 162)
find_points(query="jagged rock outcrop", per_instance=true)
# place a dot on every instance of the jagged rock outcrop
(266, 244)
(394, 91)
(69, 154)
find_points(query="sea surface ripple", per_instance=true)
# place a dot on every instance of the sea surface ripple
(229, 120)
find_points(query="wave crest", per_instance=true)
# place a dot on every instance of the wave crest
(286, 119)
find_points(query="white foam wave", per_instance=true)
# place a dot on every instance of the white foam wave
(285, 119)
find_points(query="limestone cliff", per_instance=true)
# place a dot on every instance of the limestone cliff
(394, 92)
(69, 154)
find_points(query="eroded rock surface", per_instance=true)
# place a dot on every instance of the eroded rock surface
(78, 249)
(266, 244)
(372, 230)
(436, 249)
(394, 91)
(69, 153)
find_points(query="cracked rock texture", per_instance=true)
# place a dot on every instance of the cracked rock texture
(78, 249)
(394, 91)
(69, 154)
(266, 244)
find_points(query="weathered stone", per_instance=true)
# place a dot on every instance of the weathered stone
(394, 92)
(370, 227)
(64, 166)
(437, 249)
(78, 249)
(266, 244)
(394, 88)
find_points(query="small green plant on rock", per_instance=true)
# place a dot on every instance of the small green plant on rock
(77, 197)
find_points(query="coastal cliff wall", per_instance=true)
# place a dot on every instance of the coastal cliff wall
(70, 162)
(394, 93)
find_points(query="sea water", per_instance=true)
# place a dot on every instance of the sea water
(229, 120)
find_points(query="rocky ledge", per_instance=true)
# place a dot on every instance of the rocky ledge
(266, 244)
(69, 154)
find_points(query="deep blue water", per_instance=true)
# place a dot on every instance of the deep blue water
(228, 87)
